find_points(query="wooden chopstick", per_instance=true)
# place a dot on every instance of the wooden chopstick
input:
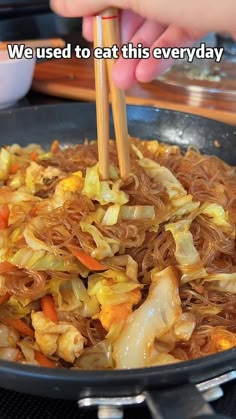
(36, 43)
(110, 30)
(102, 103)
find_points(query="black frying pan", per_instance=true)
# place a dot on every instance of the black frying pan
(170, 389)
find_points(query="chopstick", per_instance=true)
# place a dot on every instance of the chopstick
(36, 43)
(102, 103)
(109, 27)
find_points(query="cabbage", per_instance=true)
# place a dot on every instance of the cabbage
(6, 160)
(39, 260)
(219, 216)
(21, 306)
(162, 359)
(97, 357)
(100, 190)
(189, 261)
(184, 327)
(111, 287)
(33, 242)
(34, 176)
(126, 261)
(105, 247)
(138, 212)
(224, 282)
(111, 216)
(155, 317)
(9, 197)
(164, 176)
(206, 310)
(72, 295)
(27, 349)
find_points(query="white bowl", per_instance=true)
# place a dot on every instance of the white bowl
(15, 78)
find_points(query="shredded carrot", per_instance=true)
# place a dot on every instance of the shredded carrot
(43, 360)
(4, 298)
(6, 267)
(14, 169)
(19, 325)
(54, 146)
(4, 216)
(34, 155)
(33, 210)
(48, 307)
(87, 260)
(21, 242)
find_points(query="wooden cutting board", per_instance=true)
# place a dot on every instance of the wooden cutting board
(74, 79)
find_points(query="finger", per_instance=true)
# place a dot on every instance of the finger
(88, 28)
(146, 71)
(207, 15)
(77, 8)
(124, 71)
(130, 22)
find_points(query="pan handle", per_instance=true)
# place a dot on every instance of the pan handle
(183, 402)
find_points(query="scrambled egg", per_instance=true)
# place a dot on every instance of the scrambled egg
(62, 339)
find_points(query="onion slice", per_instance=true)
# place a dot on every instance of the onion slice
(155, 317)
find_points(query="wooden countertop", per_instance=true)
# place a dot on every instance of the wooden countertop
(74, 79)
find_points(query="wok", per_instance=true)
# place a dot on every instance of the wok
(172, 391)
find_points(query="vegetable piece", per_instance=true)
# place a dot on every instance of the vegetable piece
(4, 216)
(163, 359)
(184, 327)
(5, 163)
(32, 241)
(112, 287)
(111, 216)
(164, 176)
(19, 325)
(55, 146)
(87, 260)
(10, 354)
(5, 267)
(188, 258)
(155, 317)
(219, 216)
(4, 298)
(9, 337)
(137, 212)
(14, 168)
(34, 155)
(39, 260)
(48, 307)
(43, 360)
(223, 282)
(102, 191)
(97, 357)
(128, 262)
(105, 246)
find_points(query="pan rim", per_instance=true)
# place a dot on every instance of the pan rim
(114, 376)
(93, 105)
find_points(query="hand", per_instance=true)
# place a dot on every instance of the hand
(154, 23)
(151, 34)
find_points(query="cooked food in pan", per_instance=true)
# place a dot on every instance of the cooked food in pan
(115, 274)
